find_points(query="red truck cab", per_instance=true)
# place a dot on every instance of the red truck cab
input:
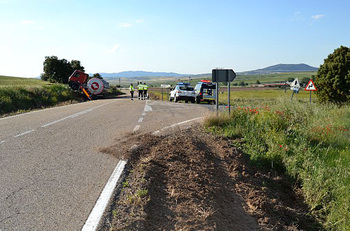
(78, 77)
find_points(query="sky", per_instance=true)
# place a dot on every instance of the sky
(182, 36)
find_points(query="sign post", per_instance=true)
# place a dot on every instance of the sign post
(310, 87)
(223, 75)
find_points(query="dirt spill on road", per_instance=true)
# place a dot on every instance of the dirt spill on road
(194, 181)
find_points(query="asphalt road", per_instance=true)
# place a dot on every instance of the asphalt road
(51, 170)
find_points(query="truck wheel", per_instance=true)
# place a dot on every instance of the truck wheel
(186, 101)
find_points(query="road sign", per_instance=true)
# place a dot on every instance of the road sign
(310, 86)
(295, 84)
(95, 86)
(165, 86)
(223, 75)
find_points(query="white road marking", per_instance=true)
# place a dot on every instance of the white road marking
(140, 120)
(73, 115)
(137, 127)
(147, 108)
(95, 216)
(143, 113)
(3, 141)
(23, 133)
(174, 125)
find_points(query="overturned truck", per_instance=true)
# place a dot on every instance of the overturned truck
(79, 81)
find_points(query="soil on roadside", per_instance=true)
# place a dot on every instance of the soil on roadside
(192, 180)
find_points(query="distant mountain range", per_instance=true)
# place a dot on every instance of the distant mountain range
(279, 68)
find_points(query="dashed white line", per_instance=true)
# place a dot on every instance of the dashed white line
(94, 218)
(24, 133)
(73, 116)
(137, 127)
(3, 141)
(141, 119)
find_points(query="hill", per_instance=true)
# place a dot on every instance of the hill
(281, 68)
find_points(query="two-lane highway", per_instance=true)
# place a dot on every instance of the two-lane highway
(51, 172)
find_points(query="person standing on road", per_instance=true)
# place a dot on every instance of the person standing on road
(132, 91)
(140, 90)
(145, 89)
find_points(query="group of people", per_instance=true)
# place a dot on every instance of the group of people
(142, 88)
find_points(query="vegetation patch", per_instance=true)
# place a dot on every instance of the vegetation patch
(14, 99)
(309, 142)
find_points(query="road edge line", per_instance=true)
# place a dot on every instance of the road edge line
(96, 214)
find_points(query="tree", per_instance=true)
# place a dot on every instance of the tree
(97, 75)
(58, 70)
(75, 64)
(333, 77)
(304, 81)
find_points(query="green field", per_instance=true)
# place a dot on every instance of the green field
(6, 81)
(246, 96)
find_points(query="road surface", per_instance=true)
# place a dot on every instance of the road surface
(51, 169)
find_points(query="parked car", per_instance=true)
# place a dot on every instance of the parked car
(205, 91)
(182, 91)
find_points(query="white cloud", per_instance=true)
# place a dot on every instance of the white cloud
(27, 22)
(114, 48)
(140, 20)
(298, 16)
(124, 25)
(317, 17)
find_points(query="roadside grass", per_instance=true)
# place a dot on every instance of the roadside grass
(19, 99)
(309, 142)
(23, 94)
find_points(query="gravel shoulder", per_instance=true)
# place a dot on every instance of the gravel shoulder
(195, 181)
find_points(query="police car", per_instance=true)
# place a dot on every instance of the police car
(205, 91)
(182, 91)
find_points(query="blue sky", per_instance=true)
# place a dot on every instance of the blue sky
(183, 36)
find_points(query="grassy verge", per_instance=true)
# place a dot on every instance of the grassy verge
(17, 99)
(307, 141)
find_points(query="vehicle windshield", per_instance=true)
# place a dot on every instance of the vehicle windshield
(186, 88)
